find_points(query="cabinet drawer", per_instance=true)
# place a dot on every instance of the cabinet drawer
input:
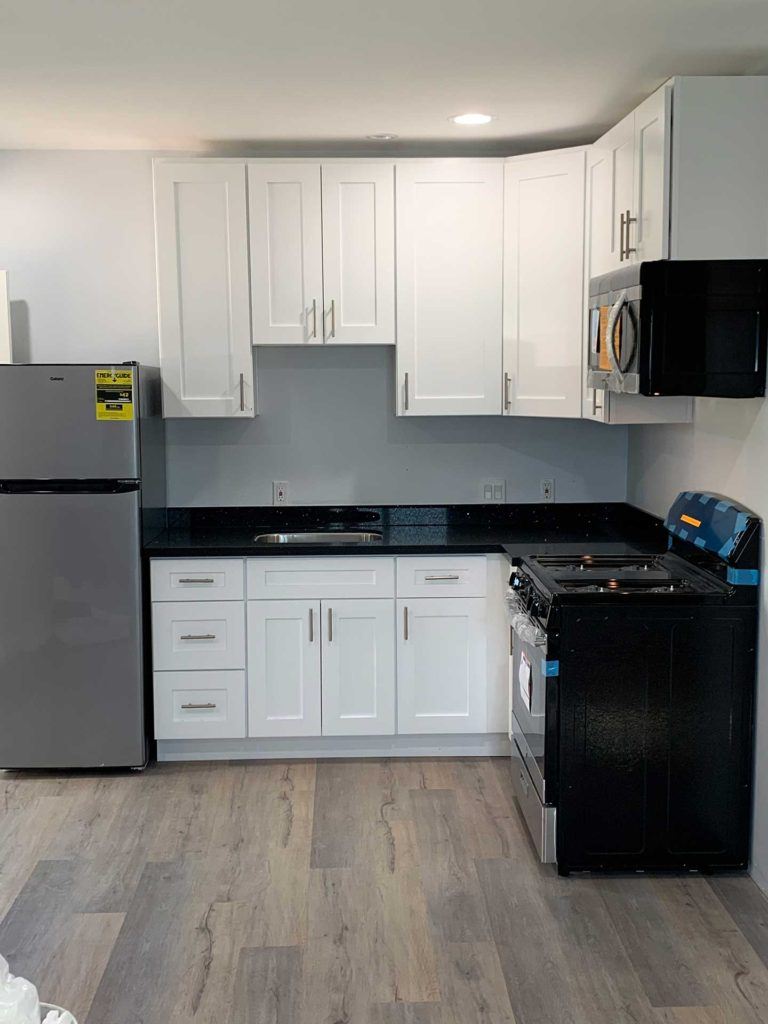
(197, 579)
(203, 635)
(449, 576)
(283, 578)
(199, 705)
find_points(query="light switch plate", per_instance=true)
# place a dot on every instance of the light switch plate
(493, 492)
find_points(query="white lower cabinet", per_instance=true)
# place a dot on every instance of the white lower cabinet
(284, 647)
(441, 665)
(307, 652)
(359, 668)
(191, 705)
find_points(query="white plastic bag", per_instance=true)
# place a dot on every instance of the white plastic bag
(19, 1003)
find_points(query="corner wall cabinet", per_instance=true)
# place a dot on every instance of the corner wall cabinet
(324, 647)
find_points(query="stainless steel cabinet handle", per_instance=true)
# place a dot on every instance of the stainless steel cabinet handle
(628, 250)
(507, 382)
(621, 238)
(198, 579)
(442, 577)
(311, 625)
(314, 318)
(595, 407)
(511, 641)
(198, 707)
(242, 392)
(405, 622)
(198, 636)
(405, 392)
(330, 625)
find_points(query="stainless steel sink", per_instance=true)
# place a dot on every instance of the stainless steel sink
(319, 537)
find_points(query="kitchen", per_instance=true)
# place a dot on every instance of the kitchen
(394, 338)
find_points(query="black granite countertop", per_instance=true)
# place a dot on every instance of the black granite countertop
(410, 529)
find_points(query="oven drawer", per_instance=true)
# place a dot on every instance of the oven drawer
(518, 737)
(539, 818)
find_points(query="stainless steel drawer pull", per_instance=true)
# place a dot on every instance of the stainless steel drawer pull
(442, 577)
(198, 707)
(330, 625)
(242, 392)
(507, 382)
(405, 622)
(197, 636)
(311, 625)
(405, 392)
(198, 579)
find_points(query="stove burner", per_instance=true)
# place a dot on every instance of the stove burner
(625, 587)
(586, 563)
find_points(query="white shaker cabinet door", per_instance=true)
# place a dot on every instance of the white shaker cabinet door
(441, 665)
(284, 647)
(449, 287)
(203, 302)
(611, 198)
(543, 283)
(359, 253)
(286, 253)
(649, 233)
(358, 667)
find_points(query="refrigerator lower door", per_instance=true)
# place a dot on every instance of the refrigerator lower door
(71, 675)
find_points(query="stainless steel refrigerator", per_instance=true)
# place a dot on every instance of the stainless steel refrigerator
(82, 479)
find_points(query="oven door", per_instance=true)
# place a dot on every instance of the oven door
(529, 690)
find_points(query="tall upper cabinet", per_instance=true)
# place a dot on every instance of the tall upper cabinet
(543, 283)
(322, 242)
(449, 287)
(202, 279)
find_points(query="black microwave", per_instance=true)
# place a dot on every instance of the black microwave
(680, 327)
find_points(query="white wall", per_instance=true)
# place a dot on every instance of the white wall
(724, 450)
(76, 235)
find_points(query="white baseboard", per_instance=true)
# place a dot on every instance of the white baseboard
(460, 745)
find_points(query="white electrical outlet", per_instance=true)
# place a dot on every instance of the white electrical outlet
(547, 490)
(494, 492)
(279, 492)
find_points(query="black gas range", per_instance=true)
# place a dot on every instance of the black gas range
(632, 696)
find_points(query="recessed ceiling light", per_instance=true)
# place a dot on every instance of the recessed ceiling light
(383, 136)
(470, 119)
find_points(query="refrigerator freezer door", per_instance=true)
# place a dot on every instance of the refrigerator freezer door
(49, 429)
(71, 677)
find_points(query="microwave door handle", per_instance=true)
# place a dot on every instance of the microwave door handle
(610, 332)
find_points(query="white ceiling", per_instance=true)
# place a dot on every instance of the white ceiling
(254, 75)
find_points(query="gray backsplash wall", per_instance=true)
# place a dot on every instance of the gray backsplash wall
(326, 425)
(77, 236)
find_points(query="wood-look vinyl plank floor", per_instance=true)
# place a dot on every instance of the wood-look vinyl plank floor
(349, 892)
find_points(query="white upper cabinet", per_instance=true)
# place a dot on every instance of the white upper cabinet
(449, 287)
(648, 237)
(286, 253)
(359, 253)
(203, 301)
(543, 283)
(611, 175)
(322, 252)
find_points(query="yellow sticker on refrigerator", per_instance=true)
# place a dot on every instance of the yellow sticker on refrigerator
(114, 394)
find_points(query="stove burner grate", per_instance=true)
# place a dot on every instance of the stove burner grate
(625, 587)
